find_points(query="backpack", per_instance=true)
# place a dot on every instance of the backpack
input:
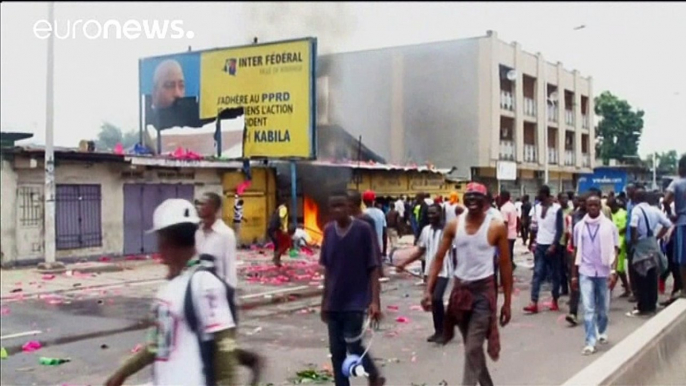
(207, 348)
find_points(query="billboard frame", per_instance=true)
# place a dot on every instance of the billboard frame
(312, 127)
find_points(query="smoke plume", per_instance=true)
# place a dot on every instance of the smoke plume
(330, 23)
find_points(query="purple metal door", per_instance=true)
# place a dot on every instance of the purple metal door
(140, 201)
(152, 194)
(133, 219)
(187, 192)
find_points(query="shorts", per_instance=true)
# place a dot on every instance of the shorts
(680, 245)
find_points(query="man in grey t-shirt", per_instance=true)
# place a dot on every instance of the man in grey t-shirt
(676, 192)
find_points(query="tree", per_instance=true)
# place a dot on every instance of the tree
(619, 130)
(110, 135)
(666, 162)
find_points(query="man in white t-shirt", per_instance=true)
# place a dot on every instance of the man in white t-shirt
(427, 245)
(193, 340)
(400, 206)
(216, 239)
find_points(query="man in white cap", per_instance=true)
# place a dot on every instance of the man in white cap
(193, 339)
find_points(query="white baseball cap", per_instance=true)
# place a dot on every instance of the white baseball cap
(172, 212)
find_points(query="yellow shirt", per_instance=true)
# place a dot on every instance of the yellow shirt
(283, 215)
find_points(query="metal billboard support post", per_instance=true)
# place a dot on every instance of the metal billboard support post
(218, 136)
(50, 263)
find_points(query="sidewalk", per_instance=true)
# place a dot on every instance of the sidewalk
(255, 269)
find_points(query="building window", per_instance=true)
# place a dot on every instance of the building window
(78, 221)
(30, 206)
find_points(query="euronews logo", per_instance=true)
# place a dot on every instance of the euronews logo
(111, 29)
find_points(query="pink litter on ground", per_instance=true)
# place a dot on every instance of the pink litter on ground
(105, 259)
(4, 311)
(31, 346)
(137, 348)
(392, 308)
(402, 319)
(416, 308)
(48, 277)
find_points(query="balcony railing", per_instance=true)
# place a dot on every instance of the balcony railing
(586, 160)
(529, 107)
(507, 150)
(552, 113)
(530, 153)
(585, 122)
(507, 101)
(552, 156)
(570, 158)
(569, 117)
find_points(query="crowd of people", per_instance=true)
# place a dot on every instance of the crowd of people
(583, 244)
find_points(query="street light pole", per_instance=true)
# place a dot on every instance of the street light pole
(654, 172)
(49, 194)
(546, 167)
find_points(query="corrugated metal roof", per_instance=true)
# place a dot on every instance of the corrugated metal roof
(377, 166)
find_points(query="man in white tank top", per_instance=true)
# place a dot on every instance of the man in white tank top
(473, 301)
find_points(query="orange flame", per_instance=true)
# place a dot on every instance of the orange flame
(311, 214)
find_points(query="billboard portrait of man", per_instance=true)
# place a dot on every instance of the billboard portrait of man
(170, 86)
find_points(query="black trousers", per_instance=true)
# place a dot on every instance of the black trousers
(574, 295)
(348, 325)
(437, 306)
(512, 243)
(647, 291)
(565, 273)
(673, 268)
(525, 231)
(633, 279)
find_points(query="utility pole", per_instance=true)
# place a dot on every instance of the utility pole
(654, 171)
(49, 194)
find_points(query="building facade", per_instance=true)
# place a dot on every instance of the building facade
(468, 103)
(104, 202)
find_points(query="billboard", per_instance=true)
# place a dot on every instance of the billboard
(273, 83)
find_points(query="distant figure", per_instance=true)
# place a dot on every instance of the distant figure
(549, 221)
(509, 214)
(393, 220)
(369, 198)
(238, 218)
(299, 236)
(277, 230)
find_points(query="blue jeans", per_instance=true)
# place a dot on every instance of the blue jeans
(544, 265)
(348, 325)
(594, 298)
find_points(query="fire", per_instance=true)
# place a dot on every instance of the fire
(311, 214)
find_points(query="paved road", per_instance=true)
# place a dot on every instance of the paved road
(536, 350)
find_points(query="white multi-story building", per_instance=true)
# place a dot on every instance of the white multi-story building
(468, 103)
